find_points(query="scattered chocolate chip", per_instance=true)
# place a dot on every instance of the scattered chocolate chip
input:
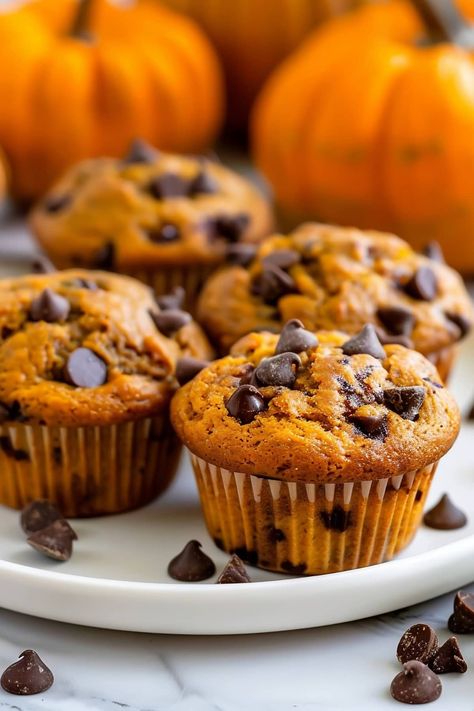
(434, 252)
(366, 341)
(245, 404)
(170, 321)
(85, 369)
(282, 258)
(462, 619)
(54, 541)
(105, 257)
(445, 515)
(336, 520)
(371, 424)
(202, 184)
(42, 265)
(418, 642)
(187, 368)
(463, 323)
(166, 232)
(416, 684)
(234, 572)
(37, 515)
(49, 307)
(405, 401)
(192, 564)
(272, 283)
(241, 253)
(449, 658)
(173, 300)
(230, 227)
(278, 370)
(397, 320)
(294, 338)
(168, 185)
(423, 285)
(28, 676)
(56, 203)
(140, 152)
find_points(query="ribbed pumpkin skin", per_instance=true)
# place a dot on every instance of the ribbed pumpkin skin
(253, 36)
(150, 73)
(364, 127)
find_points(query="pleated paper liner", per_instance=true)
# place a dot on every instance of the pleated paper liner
(87, 471)
(304, 528)
(444, 361)
(163, 280)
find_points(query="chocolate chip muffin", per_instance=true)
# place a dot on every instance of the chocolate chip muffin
(164, 219)
(87, 371)
(314, 452)
(332, 277)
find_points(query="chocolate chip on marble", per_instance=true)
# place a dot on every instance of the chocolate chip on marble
(462, 619)
(366, 341)
(234, 572)
(336, 520)
(423, 285)
(449, 658)
(282, 258)
(105, 257)
(464, 324)
(273, 283)
(192, 564)
(168, 185)
(445, 516)
(230, 227)
(54, 541)
(371, 424)
(50, 307)
(140, 152)
(278, 370)
(173, 300)
(241, 253)
(416, 684)
(85, 369)
(405, 401)
(295, 338)
(187, 368)
(202, 184)
(434, 252)
(245, 404)
(42, 265)
(57, 203)
(164, 233)
(171, 320)
(418, 642)
(28, 676)
(37, 515)
(397, 320)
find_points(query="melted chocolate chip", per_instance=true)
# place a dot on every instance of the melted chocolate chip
(173, 300)
(336, 520)
(416, 684)
(449, 658)
(245, 404)
(85, 369)
(170, 321)
(463, 323)
(166, 232)
(434, 252)
(105, 257)
(366, 341)
(405, 401)
(397, 320)
(418, 642)
(187, 368)
(294, 338)
(42, 265)
(57, 203)
(28, 676)
(445, 516)
(140, 152)
(230, 227)
(192, 564)
(54, 541)
(202, 184)
(241, 253)
(276, 535)
(273, 283)
(234, 572)
(278, 370)
(37, 515)
(168, 185)
(19, 455)
(462, 619)
(371, 425)
(49, 307)
(423, 285)
(282, 258)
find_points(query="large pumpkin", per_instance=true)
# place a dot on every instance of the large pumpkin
(82, 79)
(253, 36)
(366, 125)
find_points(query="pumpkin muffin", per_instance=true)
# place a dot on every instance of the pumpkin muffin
(87, 363)
(164, 219)
(314, 452)
(331, 277)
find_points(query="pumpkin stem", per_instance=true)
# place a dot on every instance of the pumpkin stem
(80, 24)
(444, 22)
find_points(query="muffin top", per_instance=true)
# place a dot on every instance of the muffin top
(147, 210)
(88, 348)
(332, 277)
(317, 408)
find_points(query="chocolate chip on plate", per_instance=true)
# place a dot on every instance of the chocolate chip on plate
(282, 258)
(140, 152)
(168, 185)
(434, 252)
(56, 203)
(42, 265)
(445, 516)
(462, 619)
(272, 284)
(173, 300)
(234, 572)
(50, 307)
(202, 184)
(166, 232)
(278, 370)
(366, 341)
(405, 401)
(463, 324)
(230, 227)
(397, 320)
(85, 369)
(28, 676)
(188, 367)
(294, 338)
(241, 253)
(449, 658)
(245, 404)
(418, 642)
(416, 684)
(37, 515)
(192, 564)
(171, 320)
(54, 541)
(423, 285)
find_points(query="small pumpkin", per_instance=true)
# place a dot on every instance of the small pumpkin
(369, 125)
(81, 79)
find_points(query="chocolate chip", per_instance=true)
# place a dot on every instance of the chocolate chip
(463, 323)
(140, 152)
(294, 338)
(282, 258)
(187, 368)
(416, 684)
(397, 319)
(105, 257)
(273, 283)
(449, 658)
(42, 265)
(276, 535)
(85, 369)
(245, 404)
(423, 285)
(230, 227)
(19, 455)
(405, 401)
(241, 253)
(371, 424)
(434, 252)
(28, 676)
(234, 572)
(445, 515)
(37, 515)
(366, 341)
(168, 185)
(336, 520)
(173, 300)
(191, 564)
(54, 541)
(278, 370)
(202, 184)
(166, 232)
(86, 284)
(56, 203)
(418, 642)
(462, 619)
(49, 307)
(170, 321)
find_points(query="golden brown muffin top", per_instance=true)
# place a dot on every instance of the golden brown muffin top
(149, 209)
(82, 348)
(342, 278)
(324, 410)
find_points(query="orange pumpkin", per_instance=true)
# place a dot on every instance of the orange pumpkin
(82, 79)
(253, 36)
(365, 126)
